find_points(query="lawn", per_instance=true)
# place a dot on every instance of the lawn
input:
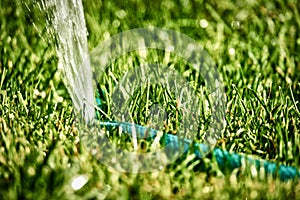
(255, 46)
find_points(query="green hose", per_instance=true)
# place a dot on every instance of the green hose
(226, 160)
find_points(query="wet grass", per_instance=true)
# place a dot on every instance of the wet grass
(255, 46)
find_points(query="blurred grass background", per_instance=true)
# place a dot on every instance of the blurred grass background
(255, 45)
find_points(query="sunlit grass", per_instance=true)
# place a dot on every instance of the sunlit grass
(255, 46)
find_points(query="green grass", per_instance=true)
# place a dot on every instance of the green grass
(40, 148)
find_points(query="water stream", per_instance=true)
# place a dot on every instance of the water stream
(68, 23)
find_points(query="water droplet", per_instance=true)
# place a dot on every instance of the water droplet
(121, 14)
(31, 171)
(116, 23)
(203, 23)
(43, 94)
(231, 51)
(79, 182)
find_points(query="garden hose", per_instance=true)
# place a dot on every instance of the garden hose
(225, 159)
